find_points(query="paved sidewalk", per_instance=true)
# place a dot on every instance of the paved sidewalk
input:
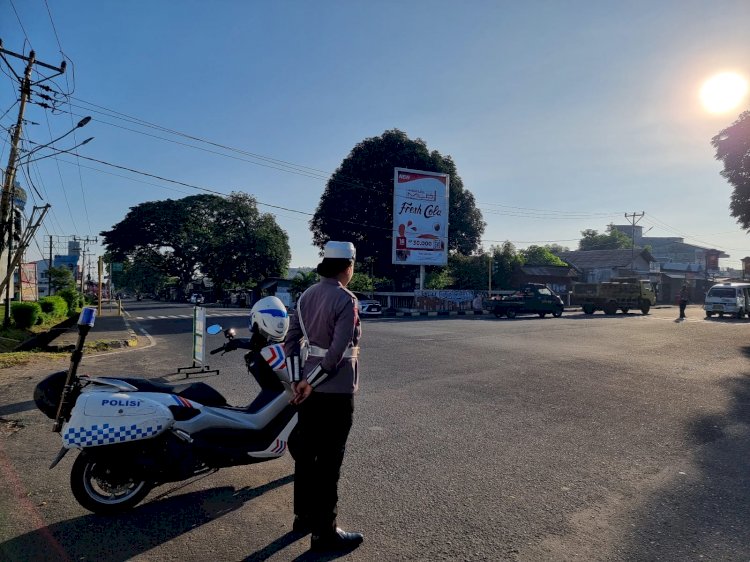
(109, 327)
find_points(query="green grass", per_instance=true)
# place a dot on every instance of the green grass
(16, 358)
(11, 336)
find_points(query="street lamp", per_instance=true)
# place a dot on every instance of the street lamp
(59, 151)
(82, 123)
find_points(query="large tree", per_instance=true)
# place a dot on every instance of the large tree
(245, 244)
(225, 238)
(505, 260)
(357, 204)
(540, 255)
(140, 272)
(469, 272)
(733, 149)
(613, 239)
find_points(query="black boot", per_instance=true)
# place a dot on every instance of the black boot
(335, 540)
(302, 524)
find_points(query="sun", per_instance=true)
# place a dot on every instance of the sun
(723, 92)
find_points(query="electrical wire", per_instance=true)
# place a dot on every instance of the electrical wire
(59, 173)
(19, 22)
(54, 29)
(15, 103)
(74, 127)
(216, 192)
(305, 171)
(663, 225)
(142, 122)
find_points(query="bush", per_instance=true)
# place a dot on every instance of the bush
(25, 314)
(55, 306)
(73, 298)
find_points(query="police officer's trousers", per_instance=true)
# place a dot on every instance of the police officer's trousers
(317, 445)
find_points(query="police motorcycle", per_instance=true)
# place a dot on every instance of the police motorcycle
(134, 434)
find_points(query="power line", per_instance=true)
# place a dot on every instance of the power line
(682, 235)
(20, 23)
(54, 29)
(286, 166)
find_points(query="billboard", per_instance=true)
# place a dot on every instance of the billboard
(29, 289)
(420, 217)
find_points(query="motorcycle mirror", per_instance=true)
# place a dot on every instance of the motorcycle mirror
(87, 317)
(214, 329)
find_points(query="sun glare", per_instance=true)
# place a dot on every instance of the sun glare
(723, 92)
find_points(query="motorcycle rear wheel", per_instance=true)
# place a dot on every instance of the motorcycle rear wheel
(100, 487)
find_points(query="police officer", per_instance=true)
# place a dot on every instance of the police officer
(321, 348)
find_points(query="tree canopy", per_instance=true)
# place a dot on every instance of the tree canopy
(733, 149)
(357, 204)
(61, 278)
(612, 240)
(140, 273)
(505, 261)
(226, 238)
(540, 255)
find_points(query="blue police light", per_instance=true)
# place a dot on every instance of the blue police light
(87, 317)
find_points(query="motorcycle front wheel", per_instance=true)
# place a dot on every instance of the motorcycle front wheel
(103, 487)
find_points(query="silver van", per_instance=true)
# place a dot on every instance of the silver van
(728, 298)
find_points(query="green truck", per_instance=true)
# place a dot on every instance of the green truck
(531, 298)
(621, 293)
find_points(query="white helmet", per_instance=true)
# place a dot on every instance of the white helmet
(271, 317)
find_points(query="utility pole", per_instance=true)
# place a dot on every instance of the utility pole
(86, 241)
(37, 216)
(489, 275)
(6, 218)
(101, 275)
(49, 269)
(634, 218)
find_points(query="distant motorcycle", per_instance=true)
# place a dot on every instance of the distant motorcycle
(134, 434)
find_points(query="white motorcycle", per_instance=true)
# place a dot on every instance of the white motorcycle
(134, 434)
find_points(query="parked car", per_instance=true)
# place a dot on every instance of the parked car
(367, 306)
(196, 298)
(728, 298)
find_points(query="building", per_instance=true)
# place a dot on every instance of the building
(678, 263)
(559, 278)
(597, 266)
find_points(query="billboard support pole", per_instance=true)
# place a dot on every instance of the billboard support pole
(421, 277)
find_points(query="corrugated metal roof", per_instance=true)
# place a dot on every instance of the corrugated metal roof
(592, 259)
(549, 270)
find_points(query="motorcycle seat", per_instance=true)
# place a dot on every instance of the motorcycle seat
(198, 391)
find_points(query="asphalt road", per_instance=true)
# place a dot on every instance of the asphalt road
(475, 438)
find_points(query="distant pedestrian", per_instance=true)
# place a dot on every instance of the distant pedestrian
(476, 304)
(684, 296)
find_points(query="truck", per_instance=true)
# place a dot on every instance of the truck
(620, 293)
(531, 298)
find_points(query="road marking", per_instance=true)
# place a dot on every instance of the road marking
(208, 314)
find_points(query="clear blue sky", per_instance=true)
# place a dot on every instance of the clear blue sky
(560, 115)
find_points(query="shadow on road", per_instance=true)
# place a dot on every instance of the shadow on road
(92, 537)
(702, 512)
(285, 540)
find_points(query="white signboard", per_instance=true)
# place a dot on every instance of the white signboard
(420, 217)
(199, 332)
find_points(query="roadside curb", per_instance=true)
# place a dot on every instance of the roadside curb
(436, 313)
(444, 313)
(131, 332)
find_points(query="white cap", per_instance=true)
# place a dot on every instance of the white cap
(339, 250)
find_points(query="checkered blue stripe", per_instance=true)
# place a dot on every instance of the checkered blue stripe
(106, 434)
